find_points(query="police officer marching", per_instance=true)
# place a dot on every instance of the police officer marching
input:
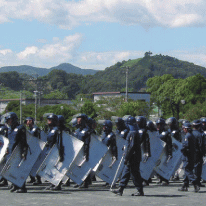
(200, 150)
(52, 137)
(132, 160)
(165, 136)
(83, 133)
(36, 132)
(189, 150)
(16, 136)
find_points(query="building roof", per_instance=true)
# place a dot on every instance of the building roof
(100, 93)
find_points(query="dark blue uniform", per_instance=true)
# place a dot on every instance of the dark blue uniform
(35, 131)
(199, 137)
(166, 137)
(132, 161)
(52, 136)
(188, 150)
(83, 134)
(122, 133)
(110, 141)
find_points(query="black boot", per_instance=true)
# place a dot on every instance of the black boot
(38, 180)
(119, 191)
(4, 183)
(32, 179)
(196, 188)
(58, 187)
(14, 188)
(138, 193)
(184, 188)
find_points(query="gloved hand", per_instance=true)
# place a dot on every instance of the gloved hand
(169, 158)
(145, 157)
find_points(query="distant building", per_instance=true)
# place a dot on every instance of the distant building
(42, 102)
(143, 96)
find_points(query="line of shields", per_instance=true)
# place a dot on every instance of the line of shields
(46, 162)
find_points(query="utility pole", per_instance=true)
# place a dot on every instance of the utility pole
(20, 107)
(127, 69)
(35, 95)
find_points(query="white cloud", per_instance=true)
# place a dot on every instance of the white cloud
(28, 51)
(5, 51)
(59, 51)
(67, 14)
(195, 55)
(66, 51)
(101, 60)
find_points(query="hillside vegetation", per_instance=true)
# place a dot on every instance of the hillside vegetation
(113, 78)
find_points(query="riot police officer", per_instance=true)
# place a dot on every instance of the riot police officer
(16, 136)
(150, 126)
(188, 150)
(144, 139)
(52, 137)
(174, 133)
(109, 138)
(165, 136)
(83, 134)
(173, 128)
(200, 149)
(35, 131)
(132, 160)
(121, 130)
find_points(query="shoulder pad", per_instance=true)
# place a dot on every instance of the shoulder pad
(164, 133)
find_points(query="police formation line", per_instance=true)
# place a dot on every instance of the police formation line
(138, 148)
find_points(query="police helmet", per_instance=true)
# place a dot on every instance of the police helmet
(203, 119)
(171, 121)
(30, 118)
(81, 115)
(186, 125)
(131, 123)
(184, 121)
(11, 115)
(120, 123)
(161, 122)
(196, 123)
(150, 126)
(107, 125)
(61, 119)
(141, 121)
(54, 119)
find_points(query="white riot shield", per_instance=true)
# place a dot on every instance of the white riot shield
(204, 169)
(107, 169)
(43, 136)
(80, 169)
(16, 169)
(4, 143)
(156, 148)
(167, 169)
(52, 169)
(41, 156)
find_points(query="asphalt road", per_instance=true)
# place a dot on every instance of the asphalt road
(99, 195)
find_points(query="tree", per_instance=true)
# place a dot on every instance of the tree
(133, 108)
(89, 109)
(169, 92)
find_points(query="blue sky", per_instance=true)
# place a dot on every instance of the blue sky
(95, 34)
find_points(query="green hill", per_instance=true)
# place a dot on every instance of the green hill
(64, 79)
(140, 70)
(29, 70)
